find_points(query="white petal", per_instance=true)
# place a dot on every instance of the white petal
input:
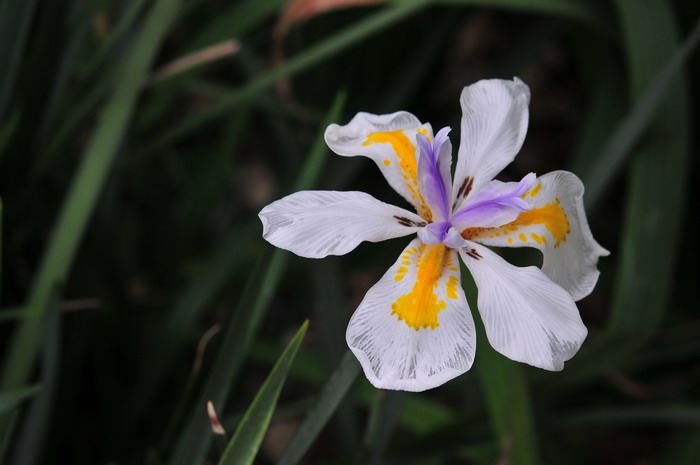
(494, 123)
(527, 317)
(389, 140)
(315, 224)
(558, 227)
(402, 349)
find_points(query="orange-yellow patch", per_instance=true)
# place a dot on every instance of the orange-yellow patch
(532, 192)
(552, 216)
(451, 287)
(420, 307)
(406, 154)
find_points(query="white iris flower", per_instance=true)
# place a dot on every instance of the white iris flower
(414, 330)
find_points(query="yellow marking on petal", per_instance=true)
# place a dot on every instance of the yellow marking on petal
(532, 192)
(402, 269)
(420, 307)
(405, 262)
(387, 162)
(406, 154)
(536, 237)
(423, 131)
(398, 277)
(552, 216)
(454, 269)
(451, 287)
(411, 251)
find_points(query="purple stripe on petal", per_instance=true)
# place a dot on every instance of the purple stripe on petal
(495, 205)
(433, 178)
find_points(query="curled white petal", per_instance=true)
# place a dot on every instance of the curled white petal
(315, 224)
(389, 140)
(527, 317)
(557, 226)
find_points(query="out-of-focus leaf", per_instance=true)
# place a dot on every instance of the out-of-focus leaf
(15, 21)
(658, 179)
(383, 417)
(657, 184)
(640, 415)
(686, 453)
(313, 55)
(243, 447)
(84, 193)
(507, 395)
(328, 400)
(195, 437)
(616, 150)
(35, 427)
(11, 399)
(297, 11)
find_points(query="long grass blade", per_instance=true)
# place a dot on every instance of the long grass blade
(15, 22)
(657, 184)
(243, 447)
(619, 147)
(9, 400)
(35, 427)
(84, 193)
(658, 179)
(507, 396)
(316, 54)
(195, 437)
(328, 400)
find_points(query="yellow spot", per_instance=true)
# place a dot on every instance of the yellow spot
(537, 237)
(454, 269)
(522, 237)
(402, 269)
(552, 216)
(405, 257)
(422, 131)
(510, 240)
(532, 192)
(387, 162)
(405, 262)
(398, 277)
(420, 307)
(411, 251)
(451, 287)
(406, 154)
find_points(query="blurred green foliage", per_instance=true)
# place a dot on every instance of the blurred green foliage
(136, 286)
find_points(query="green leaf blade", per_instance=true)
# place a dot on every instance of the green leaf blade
(244, 445)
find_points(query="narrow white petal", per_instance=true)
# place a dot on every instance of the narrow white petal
(414, 331)
(315, 224)
(494, 123)
(527, 317)
(389, 140)
(558, 227)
